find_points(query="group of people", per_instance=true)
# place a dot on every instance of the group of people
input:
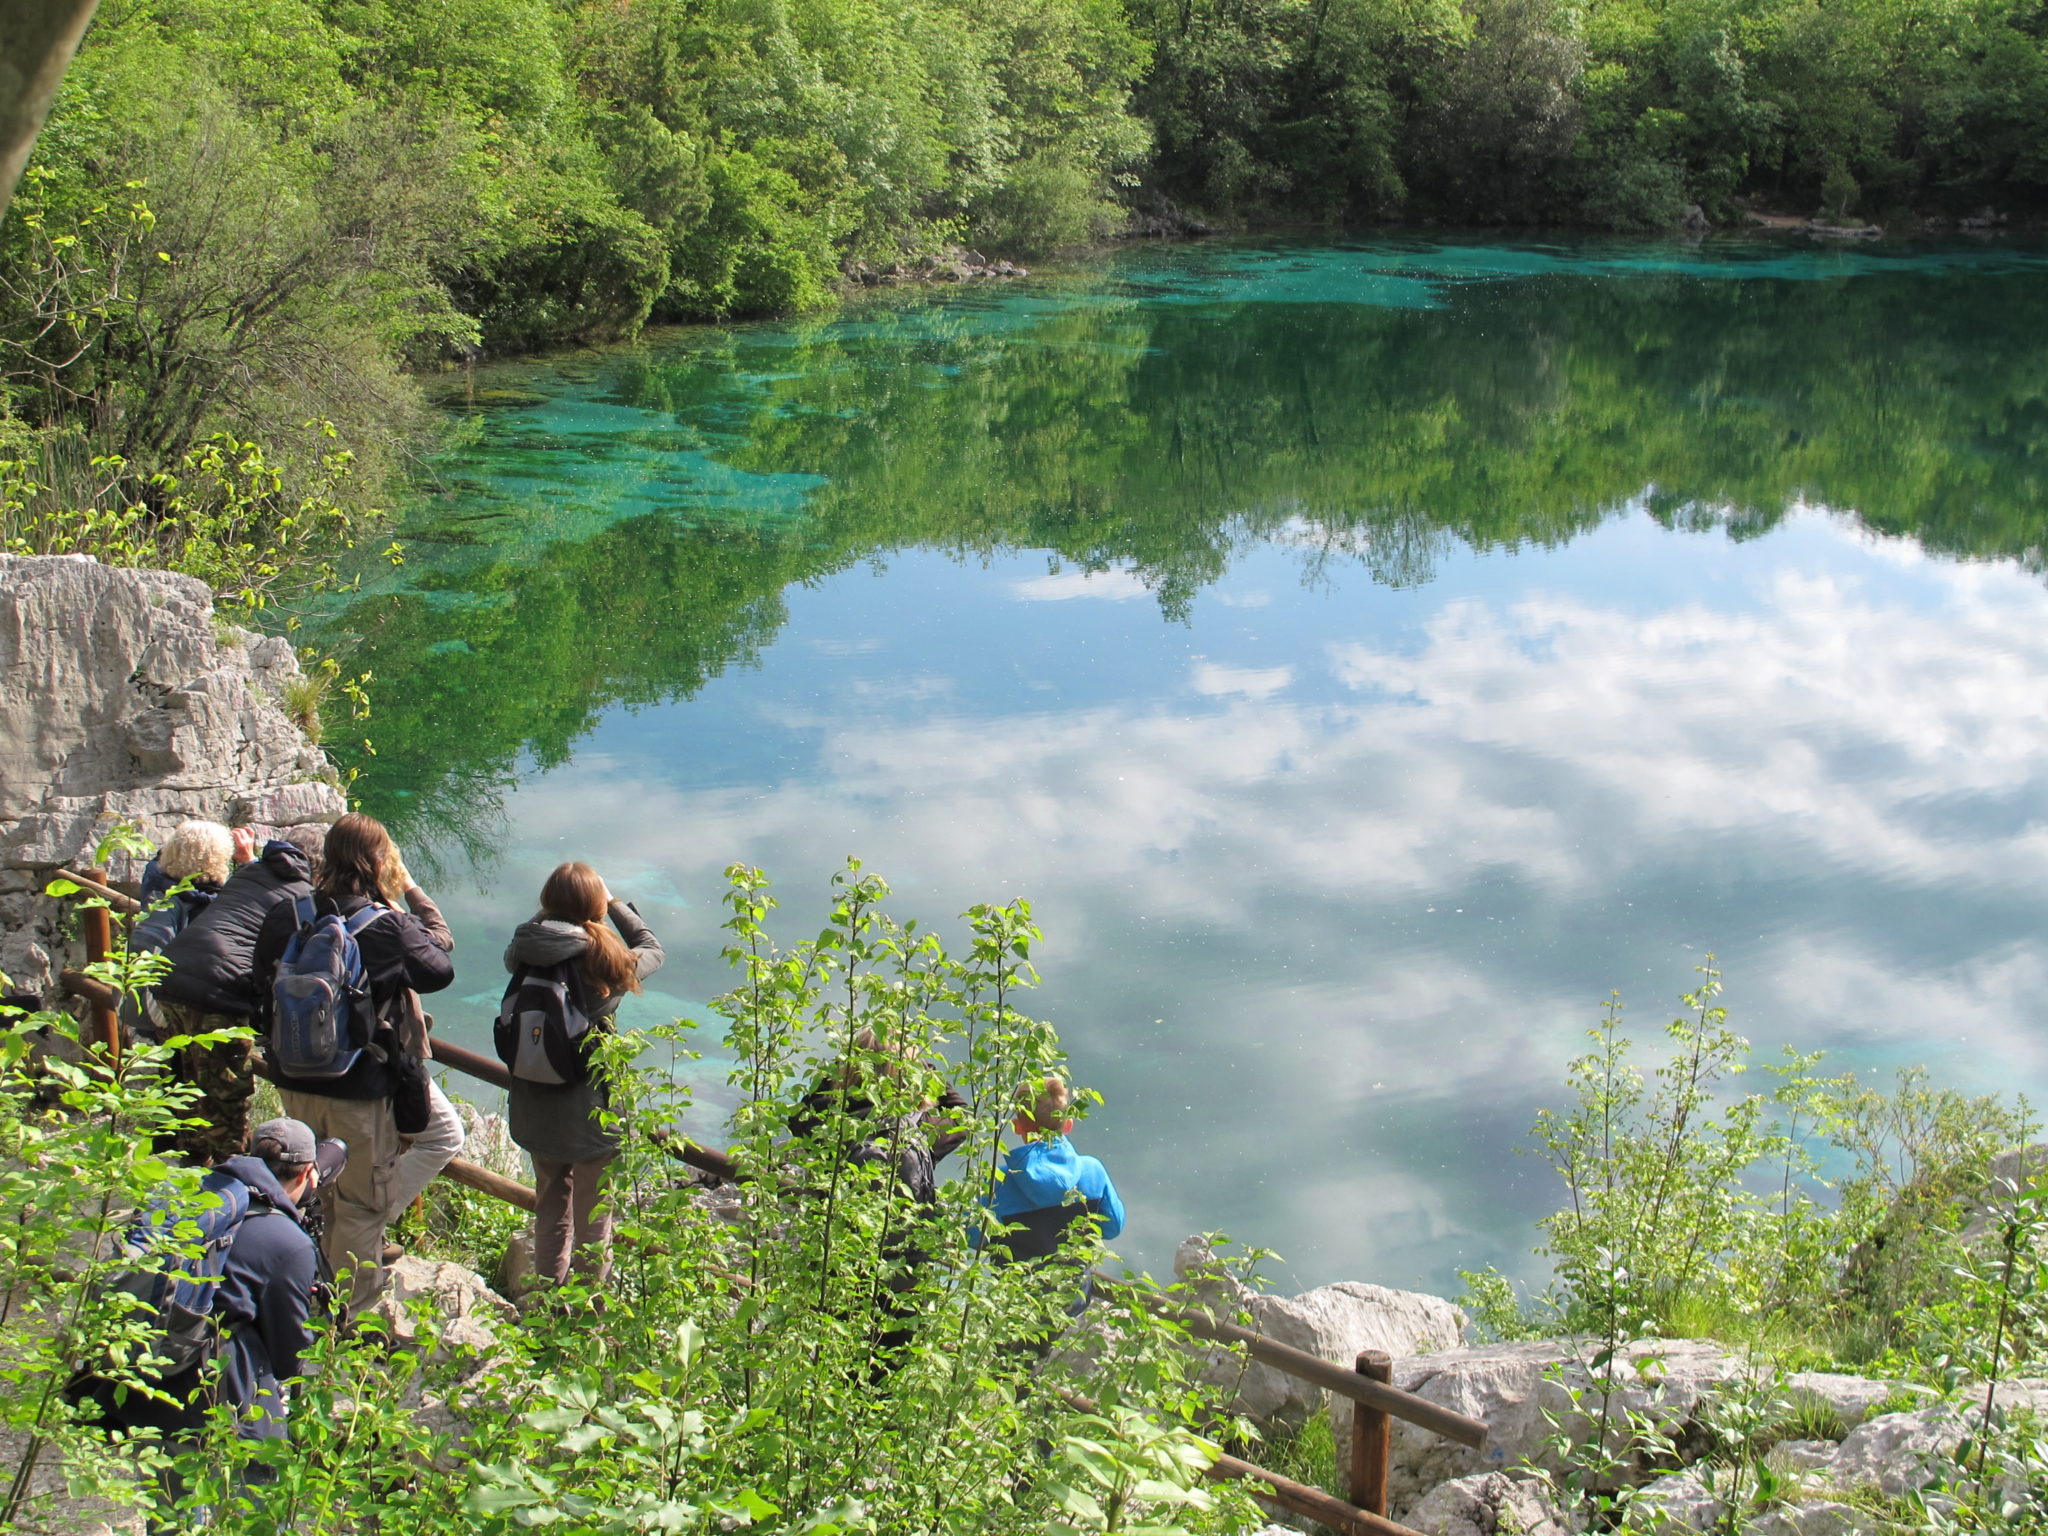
(365, 1143)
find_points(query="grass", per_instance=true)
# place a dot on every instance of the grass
(1309, 1455)
(302, 698)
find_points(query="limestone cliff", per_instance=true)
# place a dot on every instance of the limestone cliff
(124, 697)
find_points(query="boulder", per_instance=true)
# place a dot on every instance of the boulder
(1896, 1454)
(1510, 1386)
(126, 700)
(289, 805)
(464, 1310)
(1490, 1504)
(515, 1269)
(1850, 1397)
(1683, 1502)
(487, 1141)
(1334, 1322)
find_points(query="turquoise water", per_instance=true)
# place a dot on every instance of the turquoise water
(1365, 656)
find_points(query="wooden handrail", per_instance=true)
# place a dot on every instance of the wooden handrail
(477, 1177)
(462, 1059)
(490, 1070)
(118, 900)
(1283, 1490)
(98, 993)
(1313, 1369)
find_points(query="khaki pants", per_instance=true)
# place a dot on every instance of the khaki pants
(358, 1206)
(571, 1217)
(427, 1153)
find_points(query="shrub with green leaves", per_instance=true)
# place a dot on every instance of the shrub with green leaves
(816, 1350)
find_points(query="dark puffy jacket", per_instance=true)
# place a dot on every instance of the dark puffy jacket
(399, 952)
(214, 955)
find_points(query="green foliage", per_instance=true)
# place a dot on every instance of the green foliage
(254, 527)
(1697, 1211)
(244, 218)
(821, 1353)
(1616, 113)
(79, 1129)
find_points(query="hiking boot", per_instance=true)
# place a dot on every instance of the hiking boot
(391, 1255)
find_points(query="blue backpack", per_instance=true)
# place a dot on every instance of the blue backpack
(321, 1020)
(177, 1288)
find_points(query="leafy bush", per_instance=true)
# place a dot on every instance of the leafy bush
(1819, 1211)
(816, 1352)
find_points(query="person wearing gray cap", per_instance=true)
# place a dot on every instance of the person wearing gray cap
(264, 1303)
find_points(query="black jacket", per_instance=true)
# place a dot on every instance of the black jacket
(399, 952)
(214, 954)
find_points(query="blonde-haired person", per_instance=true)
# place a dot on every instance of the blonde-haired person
(403, 952)
(1046, 1185)
(200, 855)
(608, 951)
(205, 851)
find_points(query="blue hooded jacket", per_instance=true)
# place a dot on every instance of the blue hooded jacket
(263, 1303)
(1047, 1179)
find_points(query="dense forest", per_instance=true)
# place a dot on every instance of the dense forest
(245, 217)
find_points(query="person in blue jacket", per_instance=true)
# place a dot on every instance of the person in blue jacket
(265, 1302)
(1047, 1186)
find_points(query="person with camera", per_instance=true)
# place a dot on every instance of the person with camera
(401, 951)
(601, 949)
(261, 1308)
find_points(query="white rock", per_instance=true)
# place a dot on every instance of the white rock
(1508, 1387)
(1897, 1453)
(1333, 1322)
(1489, 1504)
(462, 1309)
(122, 703)
(1851, 1397)
(1679, 1502)
(1683, 1503)
(515, 1269)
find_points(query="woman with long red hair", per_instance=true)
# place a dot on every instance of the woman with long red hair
(603, 951)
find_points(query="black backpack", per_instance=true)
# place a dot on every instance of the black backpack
(543, 1035)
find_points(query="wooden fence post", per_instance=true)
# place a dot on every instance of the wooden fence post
(99, 943)
(1372, 1437)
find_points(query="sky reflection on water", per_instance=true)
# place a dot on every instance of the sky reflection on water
(1334, 866)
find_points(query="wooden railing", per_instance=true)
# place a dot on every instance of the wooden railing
(1376, 1402)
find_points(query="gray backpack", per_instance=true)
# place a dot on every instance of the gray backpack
(542, 1034)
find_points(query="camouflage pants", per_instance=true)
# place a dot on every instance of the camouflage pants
(225, 1076)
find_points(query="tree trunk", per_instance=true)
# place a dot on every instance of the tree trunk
(37, 39)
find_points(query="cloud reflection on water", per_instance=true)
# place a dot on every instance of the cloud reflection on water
(1372, 895)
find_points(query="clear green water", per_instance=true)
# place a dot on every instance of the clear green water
(1365, 656)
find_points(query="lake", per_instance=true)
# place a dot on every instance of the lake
(1365, 656)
